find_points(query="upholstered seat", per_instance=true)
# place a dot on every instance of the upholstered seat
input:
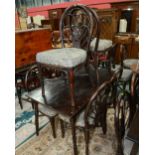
(102, 44)
(79, 120)
(128, 62)
(127, 145)
(65, 57)
(126, 74)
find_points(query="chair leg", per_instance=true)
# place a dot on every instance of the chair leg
(74, 137)
(86, 133)
(41, 80)
(71, 83)
(32, 105)
(103, 121)
(36, 118)
(52, 121)
(19, 97)
(62, 128)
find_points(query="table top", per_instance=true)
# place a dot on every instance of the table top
(58, 97)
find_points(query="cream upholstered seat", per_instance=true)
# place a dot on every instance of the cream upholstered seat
(126, 74)
(102, 44)
(128, 62)
(65, 57)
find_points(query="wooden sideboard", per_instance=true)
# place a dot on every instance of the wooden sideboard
(28, 43)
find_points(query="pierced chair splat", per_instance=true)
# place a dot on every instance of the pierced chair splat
(78, 20)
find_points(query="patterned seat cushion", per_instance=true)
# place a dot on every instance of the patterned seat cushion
(64, 57)
(102, 45)
(128, 62)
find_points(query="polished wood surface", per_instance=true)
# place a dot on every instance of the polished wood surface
(28, 43)
(130, 41)
(109, 23)
(135, 68)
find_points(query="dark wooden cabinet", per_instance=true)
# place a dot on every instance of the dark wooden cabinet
(109, 22)
(54, 17)
(129, 11)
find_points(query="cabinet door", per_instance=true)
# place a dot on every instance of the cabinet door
(54, 16)
(109, 22)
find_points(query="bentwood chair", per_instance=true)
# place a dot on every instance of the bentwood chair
(134, 93)
(54, 86)
(101, 50)
(123, 127)
(78, 20)
(93, 114)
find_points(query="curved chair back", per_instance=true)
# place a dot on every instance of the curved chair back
(78, 20)
(95, 112)
(122, 119)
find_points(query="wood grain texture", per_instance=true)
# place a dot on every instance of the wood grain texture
(28, 43)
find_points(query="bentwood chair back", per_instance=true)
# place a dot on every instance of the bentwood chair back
(94, 113)
(78, 20)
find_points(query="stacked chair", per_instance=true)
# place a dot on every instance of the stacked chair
(64, 86)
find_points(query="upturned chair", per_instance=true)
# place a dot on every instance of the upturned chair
(54, 87)
(93, 114)
(78, 19)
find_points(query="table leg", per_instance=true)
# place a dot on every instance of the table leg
(19, 97)
(36, 118)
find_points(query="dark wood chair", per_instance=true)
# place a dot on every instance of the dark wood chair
(125, 145)
(122, 112)
(54, 86)
(102, 51)
(20, 74)
(78, 19)
(125, 109)
(125, 78)
(90, 114)
(134, 92)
